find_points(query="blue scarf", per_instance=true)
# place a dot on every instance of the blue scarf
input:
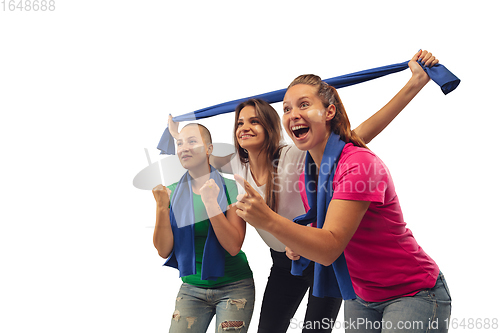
(182, 220)
(333, 280)
(438, 73)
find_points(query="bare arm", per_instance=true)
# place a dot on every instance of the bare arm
(324, 245)
(371, 127)
(222, 163)
(230, 228)
(173, 127)
(163, 238)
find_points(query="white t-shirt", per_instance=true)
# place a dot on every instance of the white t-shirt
(290, 205)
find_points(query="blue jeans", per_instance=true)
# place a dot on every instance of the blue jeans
(232, 304)
(427, 311)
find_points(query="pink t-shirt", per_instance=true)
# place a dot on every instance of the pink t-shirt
(383, 257)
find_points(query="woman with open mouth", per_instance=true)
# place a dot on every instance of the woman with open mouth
(361, 247)
(273, 169)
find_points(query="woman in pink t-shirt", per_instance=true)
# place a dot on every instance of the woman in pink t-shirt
(397, 285)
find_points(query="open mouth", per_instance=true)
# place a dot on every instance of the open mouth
(300, 131)
(246, 136)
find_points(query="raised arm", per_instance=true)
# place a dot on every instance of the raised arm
(173, 127)
(163, 238)
(371, 127)
(230, 229)
(222, 163)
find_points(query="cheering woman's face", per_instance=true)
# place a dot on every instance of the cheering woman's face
(249, 131)
(305, 117)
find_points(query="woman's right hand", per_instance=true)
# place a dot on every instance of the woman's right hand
(173, 127)
(291, 255)
(163, 238)
(427, 60)
(162, 195)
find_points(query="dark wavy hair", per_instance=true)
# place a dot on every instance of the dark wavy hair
(270, 120)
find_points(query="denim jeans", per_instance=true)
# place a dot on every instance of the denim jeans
(427, 311)
(232, 304)
(282, 297)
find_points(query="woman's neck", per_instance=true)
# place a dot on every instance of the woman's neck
(258, 166)
(200, 176)
(318, 151)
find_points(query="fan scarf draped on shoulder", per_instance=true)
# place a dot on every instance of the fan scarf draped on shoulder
(438, 73)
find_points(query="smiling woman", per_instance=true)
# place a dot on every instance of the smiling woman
(191, 147)
(274, 169)
(249, 127)
(305, 115)
(258, 142)
(362, 247)
(198, 230)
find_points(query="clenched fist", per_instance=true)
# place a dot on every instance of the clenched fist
(209, 192)
(291, 255)
(162, 195)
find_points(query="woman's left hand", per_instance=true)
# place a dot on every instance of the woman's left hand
(209, 192)
(251, 207)
(291, 254)
(173, 127)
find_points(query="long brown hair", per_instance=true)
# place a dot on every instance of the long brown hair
(340, 123)
(270, 120)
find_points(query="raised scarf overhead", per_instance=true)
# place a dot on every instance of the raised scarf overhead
(333, 280)
(182, 220)
(438, 73)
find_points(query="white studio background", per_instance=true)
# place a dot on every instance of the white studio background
(86, 87)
